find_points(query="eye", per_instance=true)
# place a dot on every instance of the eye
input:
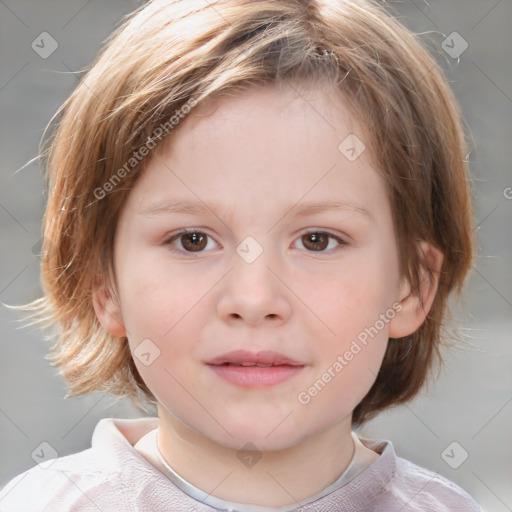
(319, 241)
(195, 241)
(189, 241)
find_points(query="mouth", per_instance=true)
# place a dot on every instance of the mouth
(264, 358)
(261, 369)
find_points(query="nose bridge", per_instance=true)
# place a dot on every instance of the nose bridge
(252, 291)
(251, 264)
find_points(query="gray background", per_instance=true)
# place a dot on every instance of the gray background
(471, 402)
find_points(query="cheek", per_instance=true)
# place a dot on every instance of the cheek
(354, 306)
(169, 309)
(167, 327)
(348, 364)
(157, 297)
(342, 384)
(350, 297)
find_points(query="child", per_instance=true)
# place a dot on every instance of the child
(257, 212)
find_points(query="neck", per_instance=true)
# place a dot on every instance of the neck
(271, 478)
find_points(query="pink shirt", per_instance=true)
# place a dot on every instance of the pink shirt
(112, 476)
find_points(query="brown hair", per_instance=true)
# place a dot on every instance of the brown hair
(168, 53)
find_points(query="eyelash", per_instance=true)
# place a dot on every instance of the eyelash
(175, 236)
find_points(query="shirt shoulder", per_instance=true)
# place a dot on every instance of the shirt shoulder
(72, 482)
(109, 476)
(394, 484)
(423, 490)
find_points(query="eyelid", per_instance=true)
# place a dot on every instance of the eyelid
(341, 237)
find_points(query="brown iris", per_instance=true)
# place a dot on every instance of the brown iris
(316, 241)
(194, 242)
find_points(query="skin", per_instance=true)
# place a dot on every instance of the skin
(255, 156)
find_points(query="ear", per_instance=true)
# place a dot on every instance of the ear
(108, 310)
(416, 305)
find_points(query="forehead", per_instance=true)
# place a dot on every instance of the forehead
(272, 145)
(318, 106)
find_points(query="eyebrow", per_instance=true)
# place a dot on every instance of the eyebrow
(301, 210)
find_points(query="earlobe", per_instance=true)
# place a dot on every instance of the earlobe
(108, 310)
(416, 305)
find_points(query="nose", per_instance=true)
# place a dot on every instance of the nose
(253, 295)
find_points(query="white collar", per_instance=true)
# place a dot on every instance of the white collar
(147, 446)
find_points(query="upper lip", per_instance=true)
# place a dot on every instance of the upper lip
(245, 357)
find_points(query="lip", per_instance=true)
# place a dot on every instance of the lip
(263, 357)
(255, 369)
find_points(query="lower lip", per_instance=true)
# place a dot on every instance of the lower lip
(255, 376)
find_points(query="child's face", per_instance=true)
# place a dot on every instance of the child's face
(304, 298)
